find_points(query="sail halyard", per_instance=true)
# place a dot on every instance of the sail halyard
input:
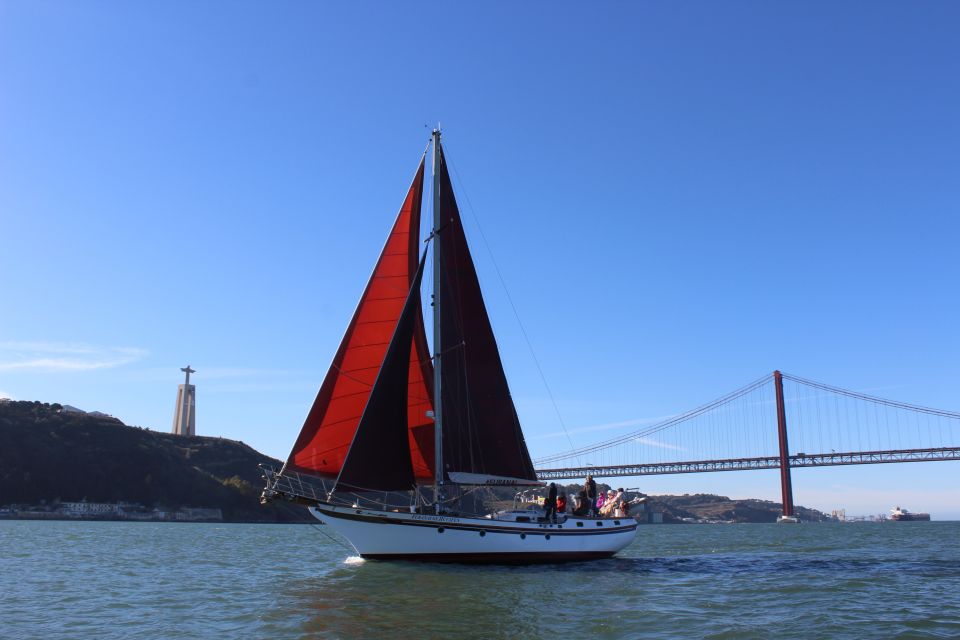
(330, 425)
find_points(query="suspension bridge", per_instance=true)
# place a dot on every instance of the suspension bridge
(756, 426)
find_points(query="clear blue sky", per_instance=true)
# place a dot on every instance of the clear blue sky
(681, 197)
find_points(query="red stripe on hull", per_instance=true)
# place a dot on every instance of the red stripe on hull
(494, 558)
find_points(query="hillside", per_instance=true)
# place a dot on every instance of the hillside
(705, 507)
(49, 455)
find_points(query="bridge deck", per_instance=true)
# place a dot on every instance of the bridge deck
(748, 464)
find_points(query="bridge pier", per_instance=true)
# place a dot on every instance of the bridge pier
(786, 486)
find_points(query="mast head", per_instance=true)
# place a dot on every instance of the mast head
(436, 153)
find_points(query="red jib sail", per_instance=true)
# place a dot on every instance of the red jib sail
(330, 426)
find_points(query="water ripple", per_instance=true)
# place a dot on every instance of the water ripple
(164, 580)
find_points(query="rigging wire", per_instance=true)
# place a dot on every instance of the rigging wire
(330, 537)
(513, 307)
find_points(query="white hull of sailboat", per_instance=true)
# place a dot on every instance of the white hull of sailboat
(395, 535)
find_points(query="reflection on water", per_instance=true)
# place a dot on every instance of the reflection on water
(87, 579)
(378, 598)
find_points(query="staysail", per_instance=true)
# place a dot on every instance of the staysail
(379, 456)
(332, 421)
(482, 438)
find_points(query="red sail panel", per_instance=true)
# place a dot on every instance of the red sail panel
(419, 402)
(379, 458)
(332, 421)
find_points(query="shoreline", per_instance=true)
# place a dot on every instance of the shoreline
(31, 518)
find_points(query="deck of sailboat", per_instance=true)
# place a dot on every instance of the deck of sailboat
(519, 536)
(569, 526)
(296, 487)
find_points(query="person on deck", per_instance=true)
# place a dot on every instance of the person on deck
(612, 504)
(623, 506)
(582, 505)
(550, 504)
(562, 502)
(601, 500)
(607, 506)
(590, 488)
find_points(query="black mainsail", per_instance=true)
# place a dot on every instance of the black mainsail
(481, 429)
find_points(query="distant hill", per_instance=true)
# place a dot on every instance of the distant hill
(705, 507)
(48, 455)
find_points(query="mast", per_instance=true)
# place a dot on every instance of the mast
(437, 395)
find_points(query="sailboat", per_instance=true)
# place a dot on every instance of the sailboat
(398, 438)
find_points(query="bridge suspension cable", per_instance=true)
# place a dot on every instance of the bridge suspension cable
(862, 396)
(826, 425)
(660, 426)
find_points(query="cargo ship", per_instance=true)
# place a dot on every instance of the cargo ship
(902, 515)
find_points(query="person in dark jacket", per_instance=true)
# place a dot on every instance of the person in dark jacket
(550, 504)
(590, 487)
(582, 505)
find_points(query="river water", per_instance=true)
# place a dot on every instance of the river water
(172, 580)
